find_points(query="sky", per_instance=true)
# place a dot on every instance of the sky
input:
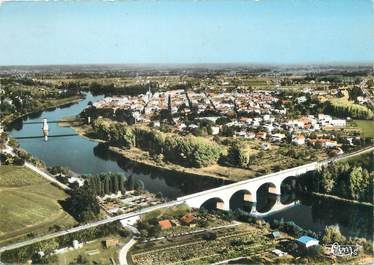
(185, 32)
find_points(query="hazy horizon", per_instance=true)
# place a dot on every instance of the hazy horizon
(363, 63)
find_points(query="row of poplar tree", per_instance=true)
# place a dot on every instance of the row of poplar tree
(108, 183)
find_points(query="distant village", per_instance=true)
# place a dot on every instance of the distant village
(266, 120)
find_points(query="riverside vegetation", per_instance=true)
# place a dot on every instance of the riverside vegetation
(352, 179)
(224, 157)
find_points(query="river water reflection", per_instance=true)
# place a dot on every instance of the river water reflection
(85, 156)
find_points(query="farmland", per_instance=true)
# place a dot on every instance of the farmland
(367, 127)
(28, 204)
(245, 240)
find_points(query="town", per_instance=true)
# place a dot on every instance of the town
(186, 132)
(266, 105)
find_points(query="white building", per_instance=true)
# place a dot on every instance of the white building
(326, 143)
(338, 123)
(298, 140)
(295, 124)
(324, 119)
(301, 99)
(266, 117)
(269, 128)
(278, 137)
(251, 135)
(80, 181)
(130, 221)
(215, 130)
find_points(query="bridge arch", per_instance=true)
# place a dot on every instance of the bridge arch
(215, 203)
(269, 187)
(288, 190)
(266, 195)
(241, 199)
(288, 184)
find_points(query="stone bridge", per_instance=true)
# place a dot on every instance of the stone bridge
(247, 189)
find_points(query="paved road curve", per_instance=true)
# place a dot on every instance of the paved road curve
(124, 250)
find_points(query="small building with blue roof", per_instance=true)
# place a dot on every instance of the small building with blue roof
(307, 241)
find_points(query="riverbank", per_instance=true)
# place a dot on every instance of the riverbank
(52, 104)
(144, 158)
(336, 198)
(83, 129)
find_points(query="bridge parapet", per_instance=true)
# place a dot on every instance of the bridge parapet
(252, 184)
(224, 193)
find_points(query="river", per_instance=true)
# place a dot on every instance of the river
(86, 156)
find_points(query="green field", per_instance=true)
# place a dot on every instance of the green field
(366, 126)
(93, 251)
(28, 204)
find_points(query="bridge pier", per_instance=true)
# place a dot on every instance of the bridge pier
(249, 187)
(275, 190)
(251, 197)
(45, 129)
(225, 205)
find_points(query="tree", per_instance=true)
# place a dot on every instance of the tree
(327, 181)
(139, 185)
(102, 189)
(240, 155)
(107, 186)
(210, 235)
(82, 259)
(332, 235)
(222, 120)
(122, 183)
(199, 152)
(130, 183)
(82, 204)
(115, 183)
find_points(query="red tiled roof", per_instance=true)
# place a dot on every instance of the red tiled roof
(165, 224)
(187, 219)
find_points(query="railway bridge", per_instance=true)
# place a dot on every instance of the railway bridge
(222, 197)
(247, 190)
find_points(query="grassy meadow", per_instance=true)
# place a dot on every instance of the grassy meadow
(28, 204)
(93, 252)
(366, 126)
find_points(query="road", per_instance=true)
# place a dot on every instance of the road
(46, 176)
(124, 250)
(90, 225)
(8, 149)
(349, 155)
